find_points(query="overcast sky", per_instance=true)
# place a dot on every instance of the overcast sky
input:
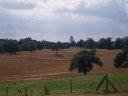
(57, 20)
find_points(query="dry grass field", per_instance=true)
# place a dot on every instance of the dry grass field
(45, 64)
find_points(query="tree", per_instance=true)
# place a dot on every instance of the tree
(11, 46)
(90, 43)
(83, 61)
(65, 45)
(81, 43)
(31, 46)
(39, 45)
(101, 44)
(119, 43)
(125, 41)
(121, 59)
(56, 47)
(105, 43)
(1, 45)
(108, 43)
(24, 46)
(0, 49)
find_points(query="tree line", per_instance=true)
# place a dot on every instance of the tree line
(104, 43)
(28, 44)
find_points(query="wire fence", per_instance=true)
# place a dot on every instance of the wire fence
(63, 87)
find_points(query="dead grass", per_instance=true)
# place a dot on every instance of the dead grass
(44, 64)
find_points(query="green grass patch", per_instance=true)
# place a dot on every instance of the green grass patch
(62, 85)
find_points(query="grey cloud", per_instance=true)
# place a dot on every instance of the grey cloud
(45, 0)
(16, 5)
(112, 10)
(61, 26)
(11, 23)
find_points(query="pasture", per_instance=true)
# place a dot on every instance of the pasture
(81, 86)
(21, 70)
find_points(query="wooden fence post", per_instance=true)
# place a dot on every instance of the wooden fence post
(106, 83)
(100, 83)
(112, 86)
(46, 91)
(7, 91)
(26, 89)
(31, 93)
(71, 85)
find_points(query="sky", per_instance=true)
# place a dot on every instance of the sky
(57, 20)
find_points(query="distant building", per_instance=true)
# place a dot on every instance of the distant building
(72, 42)
(71, 39)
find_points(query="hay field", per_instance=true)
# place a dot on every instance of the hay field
(45, 64)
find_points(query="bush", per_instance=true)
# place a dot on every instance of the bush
(121, 59)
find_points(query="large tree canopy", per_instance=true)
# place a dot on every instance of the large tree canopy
(83, 61)
(121, 59)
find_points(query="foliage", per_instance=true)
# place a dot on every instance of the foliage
(90, 43)
(28, 44)
(81, 43)
(83, 61)
(121, 59)
(125, 64)
(119, 43)
(11, 46)
(39, 45)
(1, 48)
(109, 43)
(125, 41)
(105, 43)
(57, 46)
(31, 46)
(101, 43)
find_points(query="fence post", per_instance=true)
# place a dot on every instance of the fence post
(7, 91)
(26, 89)
(106, 83)
(71, 85)
(100, 83)
(31, 93)
(46, 91)
(112, 86)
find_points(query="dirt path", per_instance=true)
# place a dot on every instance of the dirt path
(32, 77)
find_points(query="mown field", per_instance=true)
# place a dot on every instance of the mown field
(21, 70)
